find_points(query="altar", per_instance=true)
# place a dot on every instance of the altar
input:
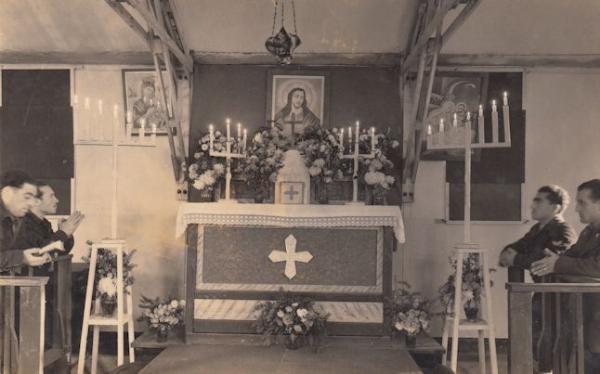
(238, 255)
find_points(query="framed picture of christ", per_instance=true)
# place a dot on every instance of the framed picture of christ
(296, 100)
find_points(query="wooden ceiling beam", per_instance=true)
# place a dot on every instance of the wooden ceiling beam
(128, 18)
(184, 59)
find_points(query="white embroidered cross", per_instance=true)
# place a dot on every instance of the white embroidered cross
(290, 256)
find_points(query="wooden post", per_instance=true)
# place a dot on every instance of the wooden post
(520, 360)
(31, 333)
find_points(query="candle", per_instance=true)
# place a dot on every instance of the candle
(211, 136)
(494, 122)
(129, 116)
(239, 131)
(245, 138)
(429, 130)
(480, 110)
(441, 125)
(100, 106)
(349, 135)
(468, 116)
(115, 111)
(153, 136)
(455, 120)
(372, 139)
(506, 119)
(228, 143)
(357, 130)
(342, 139)
(505, 98)
(481, 126)
(142, 128)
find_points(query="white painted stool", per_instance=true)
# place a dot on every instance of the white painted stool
(123, 317)
(482, 326)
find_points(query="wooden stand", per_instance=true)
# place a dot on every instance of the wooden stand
(482, 325)
(123, 317)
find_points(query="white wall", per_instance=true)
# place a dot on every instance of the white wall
(146, 189)
(562, 137)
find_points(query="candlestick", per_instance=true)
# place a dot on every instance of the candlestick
(494, 122)
(211, 136)
(227, 155)
(481, 126)
(372, 138)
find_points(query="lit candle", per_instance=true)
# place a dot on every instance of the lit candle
(357, 129)
(239, 131)
(129, 116)
(342, 139)
(480, 110)
(245, 138)
(228, 143)
(115, 111)
(153, 137)
(100, 106)
(142, 128)
(429, 130)
(494, 122)
(481, 126)
(211, 136)
(349, 135)
(505, 98)
(372, 139)
(455, 120)
(468, 116)
(506, 118)
(441, 125)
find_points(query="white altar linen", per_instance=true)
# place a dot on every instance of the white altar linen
(283, 215)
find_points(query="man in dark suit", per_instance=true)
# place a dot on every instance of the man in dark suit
(582, 259)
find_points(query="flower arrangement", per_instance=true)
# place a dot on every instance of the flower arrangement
(106, 266)
(409, 311)
(376, 172)
(472, 285)
(162, 317)
(206, 171)
(292, 317)
(265, 158)
(321, 152)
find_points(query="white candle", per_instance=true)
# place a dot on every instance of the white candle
(429, 130)
(349, 135)
(115, 111)
(505, 98)
(372, 139)
(342, 139)
(494, 122)
(455, 120)
(228, 143)
(441, 125)
(481, 126)
(129, 116)
(142, 128)
(239, 131)
(494, 108)
(153, 137)
(245, 138)
(468, 116)
(100, 106)
(480, 110)
(357, 128)
(211, 136)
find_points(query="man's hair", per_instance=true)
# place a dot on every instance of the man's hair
(593, 186)
(15, 178)
(556, 195)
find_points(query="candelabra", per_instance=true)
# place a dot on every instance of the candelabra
(227, 154)
(356, 156)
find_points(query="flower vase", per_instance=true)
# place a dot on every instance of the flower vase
(162, 333)
(410, 340)
(471, 311)
(293, 342)
(379, 200)
(108, 305)
(206, 195)
(321, 193)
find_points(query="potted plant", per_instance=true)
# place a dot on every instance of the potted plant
(297, 319)
(410, 313)
(162, 317)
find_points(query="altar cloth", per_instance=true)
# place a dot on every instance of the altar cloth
(282, 215)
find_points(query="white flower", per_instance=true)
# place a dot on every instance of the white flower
(199, 185)
(289, 309)
(182, 303)
(174, 304)
(258, 139)
(314, 171)
(219, 169)
(389, 179)
(370, 178)
(204, 147)
(302, 312)
(297, 328)
(197, 155)
(280, 314)
(395, 144)
(107, 286)
(319, 163)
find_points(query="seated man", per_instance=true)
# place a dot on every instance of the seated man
(582, 259)
(550, 231)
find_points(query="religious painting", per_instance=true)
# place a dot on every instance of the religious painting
(143, 101)
(297, 100)
(453, 93)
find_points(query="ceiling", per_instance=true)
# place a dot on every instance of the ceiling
(548, 27)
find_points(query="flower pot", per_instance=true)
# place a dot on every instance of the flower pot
(472, 313)
(162, 333)
(293, 341)
(108, 305)
(410, 340)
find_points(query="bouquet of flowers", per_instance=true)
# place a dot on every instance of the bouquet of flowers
(321, 151)
(472, 284)
(163, 316)
(292, 317)
(376, 172)
(410, 311)
(265, 158)
(206, 170)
